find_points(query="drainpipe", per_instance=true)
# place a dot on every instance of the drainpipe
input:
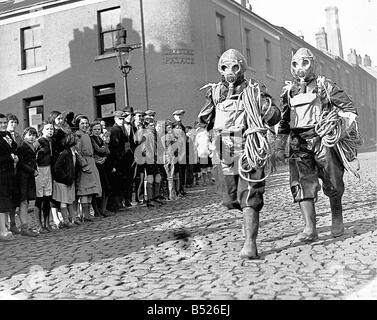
(144, 54)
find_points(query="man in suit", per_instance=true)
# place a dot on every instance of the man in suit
(118, 160)
(129, 131)
(139, 169)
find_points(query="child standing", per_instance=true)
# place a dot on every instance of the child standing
(64, 181)
(43, 181)
(26, 172)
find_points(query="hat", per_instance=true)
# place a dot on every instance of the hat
(178, 112)
(151, 113)
(139, 112)
(118, 114)
(128, 110)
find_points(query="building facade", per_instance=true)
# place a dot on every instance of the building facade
(59, 55)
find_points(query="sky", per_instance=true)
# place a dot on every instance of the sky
(357, 19)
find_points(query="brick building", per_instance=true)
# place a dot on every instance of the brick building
(58, 55)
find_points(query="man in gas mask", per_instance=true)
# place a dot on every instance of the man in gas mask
(304, 102)
(224, 112)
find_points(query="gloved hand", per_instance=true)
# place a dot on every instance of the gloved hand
(280, 146)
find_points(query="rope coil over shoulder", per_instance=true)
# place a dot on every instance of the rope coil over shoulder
(329, 128)
(257, 151)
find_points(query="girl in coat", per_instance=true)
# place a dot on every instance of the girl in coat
(43, 181)
(26, 172)
(101, 158)
(8, 160)
(65, 172)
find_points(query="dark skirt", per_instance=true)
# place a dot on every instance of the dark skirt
(104, 175)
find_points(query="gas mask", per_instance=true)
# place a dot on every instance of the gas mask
(232, 66)
(303, 67)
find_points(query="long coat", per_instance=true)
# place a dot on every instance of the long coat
(26, 167)
(88, 182)
(7, 181)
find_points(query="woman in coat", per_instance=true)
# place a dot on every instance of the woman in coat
(8, 160)
(88, 183)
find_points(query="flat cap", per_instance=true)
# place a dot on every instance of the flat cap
(150, 113)
(178, 112)
(139, 112)
(118, 114)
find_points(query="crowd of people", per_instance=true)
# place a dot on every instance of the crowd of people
(77, 171)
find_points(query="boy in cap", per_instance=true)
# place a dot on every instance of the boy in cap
(178, 116)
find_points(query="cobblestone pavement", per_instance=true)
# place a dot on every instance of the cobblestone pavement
(188, 249)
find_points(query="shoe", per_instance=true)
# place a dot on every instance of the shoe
(68, 225)
(150, 205)
(43, 230)
(303, 237)
(127, 204)
(89, 219)
(77, 221)
(7, 237)
(29, 233)
(14, 230)
(49, 228)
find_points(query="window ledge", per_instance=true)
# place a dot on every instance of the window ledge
(32, 70)
(270, 76)
(105, 56)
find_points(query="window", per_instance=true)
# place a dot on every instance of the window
(34, 112)
(31, 47)
(220, 34)
(248, 47)
(268, 57)
(109, 22)
(105, 102)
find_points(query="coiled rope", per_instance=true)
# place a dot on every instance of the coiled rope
(257, 152)
(329, 128)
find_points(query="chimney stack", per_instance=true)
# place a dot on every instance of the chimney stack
(352, 57)
(367, 61)
(333, 32)
(321, 39)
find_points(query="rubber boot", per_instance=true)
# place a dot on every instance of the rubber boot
(172, 193)
(209, 178)
(66, 223)
(157, 193)
(337, 227)
(86, 212)
(150, 194)
(251, 227)
(38, 219)
(12, 226)
(204, 177)
(97, 212)
(309, 233)
(176, 186)
(46, 213)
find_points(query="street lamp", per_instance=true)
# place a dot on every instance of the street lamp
(124, 54)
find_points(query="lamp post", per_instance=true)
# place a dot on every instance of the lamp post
(124, 54)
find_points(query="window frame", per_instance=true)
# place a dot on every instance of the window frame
(33, 48)
(220, 36)
(115, 31)
(248, 52)
(268, 50)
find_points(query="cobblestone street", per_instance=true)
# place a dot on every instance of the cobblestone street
(188, 249)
